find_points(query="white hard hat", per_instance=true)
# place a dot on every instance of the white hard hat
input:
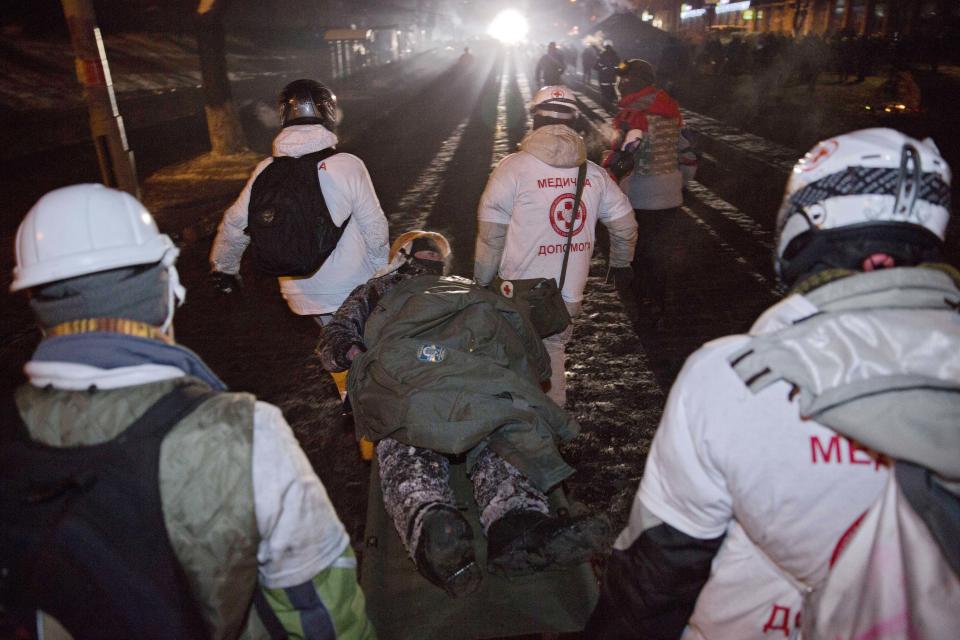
(555, 101)
(873, 179)
(83, 229)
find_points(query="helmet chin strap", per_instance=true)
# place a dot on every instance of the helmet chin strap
(176, 293)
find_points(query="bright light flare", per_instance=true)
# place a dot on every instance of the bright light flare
(509, 27)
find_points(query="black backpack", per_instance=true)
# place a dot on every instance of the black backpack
(82, 534)
(289, 224)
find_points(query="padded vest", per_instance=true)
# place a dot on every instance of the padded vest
(658, 151)
(205, 481)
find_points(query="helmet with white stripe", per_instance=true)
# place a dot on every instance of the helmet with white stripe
(555, 101)
(869, 190)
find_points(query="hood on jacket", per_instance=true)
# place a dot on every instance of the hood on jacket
(556, 144)
(876, 362)
(300, 139)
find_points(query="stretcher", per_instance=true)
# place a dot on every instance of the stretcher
(403, 605)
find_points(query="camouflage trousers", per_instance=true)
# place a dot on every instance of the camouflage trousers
(413, 480)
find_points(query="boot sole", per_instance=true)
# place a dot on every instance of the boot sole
(454, 549)
(464, 580)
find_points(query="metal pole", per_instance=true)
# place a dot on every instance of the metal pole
(117, 167)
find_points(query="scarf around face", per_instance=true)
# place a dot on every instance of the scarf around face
(114, 350)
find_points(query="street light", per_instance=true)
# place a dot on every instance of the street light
(509, 27)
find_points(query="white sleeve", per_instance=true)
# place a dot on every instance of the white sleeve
(300, 533)
(614, 202)
(682, 484)
(363, 205)
(496, 203)
(231, 240)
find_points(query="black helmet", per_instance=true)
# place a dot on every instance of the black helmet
(307, 102)
(640, 72)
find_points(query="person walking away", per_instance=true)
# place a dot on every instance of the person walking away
(606, 65)
(550, 67)
(646, 161)
(525, 215)
(410, 301)
(306, 178)
(783, 456)
(308, 114)
(140, 498)
(588, 58)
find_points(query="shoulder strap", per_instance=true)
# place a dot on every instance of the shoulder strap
(581, 179)
(162, 414)
(317, 156)
(936, 506)
(170, 409)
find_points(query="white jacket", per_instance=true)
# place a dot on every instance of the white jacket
(785, 491)
(532, 192)
(348, 192)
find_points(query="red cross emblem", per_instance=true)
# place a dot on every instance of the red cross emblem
(823, 151)
(562, 217)
(506, 289)
(557, 93)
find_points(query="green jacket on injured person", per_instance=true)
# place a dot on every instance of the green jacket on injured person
(454, 367)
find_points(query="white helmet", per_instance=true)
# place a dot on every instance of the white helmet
(555, 101)
(876, 182)
(88, 228)
(83, 229)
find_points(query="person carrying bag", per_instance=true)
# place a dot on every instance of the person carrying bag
(541, 299)
(525, 233)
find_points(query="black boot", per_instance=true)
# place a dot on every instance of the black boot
(523, 542)
(444, 553)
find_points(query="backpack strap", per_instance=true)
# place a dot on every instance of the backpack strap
(158, 419)
(937, 507)
(170, 410)
(318, 157)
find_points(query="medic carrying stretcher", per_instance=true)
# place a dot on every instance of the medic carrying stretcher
(444, 378)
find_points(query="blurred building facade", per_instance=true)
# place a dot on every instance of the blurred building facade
(819, 17)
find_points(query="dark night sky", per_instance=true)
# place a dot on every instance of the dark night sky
(45, 17)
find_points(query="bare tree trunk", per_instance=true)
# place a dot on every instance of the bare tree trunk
(223, 123)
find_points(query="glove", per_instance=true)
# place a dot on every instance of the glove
(619, 163)
(225, 283)
(622, 277)
(623, 282)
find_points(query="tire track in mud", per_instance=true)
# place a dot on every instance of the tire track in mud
(417, 202)
(486, 139)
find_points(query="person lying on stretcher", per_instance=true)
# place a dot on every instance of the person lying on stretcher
(442, 369)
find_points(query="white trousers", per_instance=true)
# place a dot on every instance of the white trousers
(556, 346)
